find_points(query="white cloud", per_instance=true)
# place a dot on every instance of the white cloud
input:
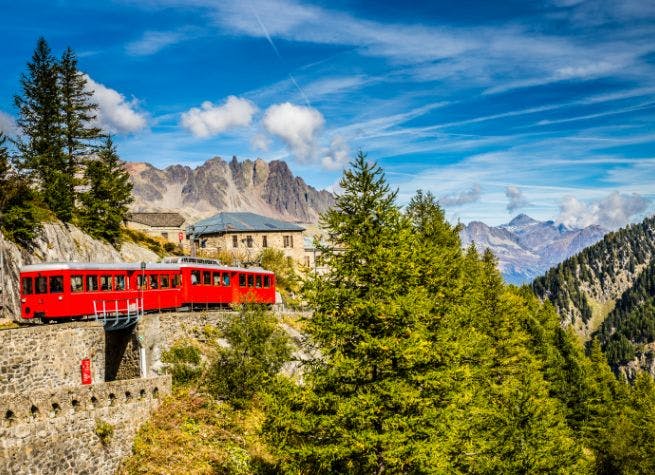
(297, 126)
(154, 41)
(260, 142)
(337, 156)
(516, 199)
(8, 124)
(210, 119)
(115, 113)
(613, 211)
(464, 197)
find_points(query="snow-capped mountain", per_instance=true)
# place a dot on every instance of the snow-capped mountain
(526, 248)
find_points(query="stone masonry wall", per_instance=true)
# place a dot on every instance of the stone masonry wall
(49, 356)
(56, 431)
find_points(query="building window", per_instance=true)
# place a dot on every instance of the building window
(235, 241)
(264, 241)
(288, 241)
(164, 235)
(307, 263)
(249, 241)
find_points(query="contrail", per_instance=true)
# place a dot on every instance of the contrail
(272, 43)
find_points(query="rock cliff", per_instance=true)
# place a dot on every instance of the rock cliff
(267, 188)
(59, 242)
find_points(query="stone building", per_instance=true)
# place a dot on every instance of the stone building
(169, 226)
(247, 234)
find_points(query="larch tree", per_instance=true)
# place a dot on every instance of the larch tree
(104, 206)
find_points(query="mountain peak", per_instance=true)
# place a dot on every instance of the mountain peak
(522, 220)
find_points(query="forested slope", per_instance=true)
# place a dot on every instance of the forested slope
(585, 287)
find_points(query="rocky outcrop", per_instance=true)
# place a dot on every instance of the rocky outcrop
(267, 188)
(57, 243)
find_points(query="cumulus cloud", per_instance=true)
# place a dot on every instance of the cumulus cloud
(115, 113)
(297, 126)
(337, 156)
(462, 198)
(516, 199)
(7, 124)
(611, 212)
(210, 119)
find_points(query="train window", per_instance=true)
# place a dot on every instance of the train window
(217, 278)
(267, 281)
(195, 277)
(140, 282)
(226, 280)
(77, 283)
(105, 282)
(27, 286)
(251, 280)
(120, 282)
(242, 280)
(91, 283)
(56, 284)
(41, 285)
(207, 278)
(165, 282)
(258, 281)
(176, 281)
(153, 281)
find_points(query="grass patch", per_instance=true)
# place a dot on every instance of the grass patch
(9, 325)
(599, 312)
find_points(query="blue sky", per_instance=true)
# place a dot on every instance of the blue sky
(497, 108)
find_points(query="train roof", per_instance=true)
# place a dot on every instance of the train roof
(135, 266)
(113, 266)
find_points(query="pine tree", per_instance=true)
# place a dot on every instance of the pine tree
(105, 204)
(78, 114)
(40, 120)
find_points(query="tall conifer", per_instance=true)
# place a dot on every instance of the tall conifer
(78, 113)
(40, 121)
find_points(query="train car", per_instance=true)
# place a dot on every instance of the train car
(58, 291)
(76, 290)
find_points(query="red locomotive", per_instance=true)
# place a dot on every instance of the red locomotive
(81, 290)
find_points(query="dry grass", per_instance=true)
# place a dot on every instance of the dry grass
(193, 434)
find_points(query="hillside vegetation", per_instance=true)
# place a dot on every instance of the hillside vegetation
(427, 363)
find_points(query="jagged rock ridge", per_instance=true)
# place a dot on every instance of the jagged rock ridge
(216, 185)
(526, 248)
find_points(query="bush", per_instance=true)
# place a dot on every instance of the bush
(184, 362)
(104, 430)
(258, 349)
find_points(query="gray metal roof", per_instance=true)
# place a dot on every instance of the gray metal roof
(240, 223)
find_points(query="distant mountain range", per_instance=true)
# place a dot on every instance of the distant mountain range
(526, 248)
(267, 188)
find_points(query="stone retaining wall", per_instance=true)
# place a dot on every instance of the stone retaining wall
(58, 431)
(49, 356)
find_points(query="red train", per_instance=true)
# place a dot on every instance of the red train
(78, 290)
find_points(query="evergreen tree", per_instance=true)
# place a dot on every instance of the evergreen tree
(40, 120)
(105, 204)
(19, 215)
(78, 114)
